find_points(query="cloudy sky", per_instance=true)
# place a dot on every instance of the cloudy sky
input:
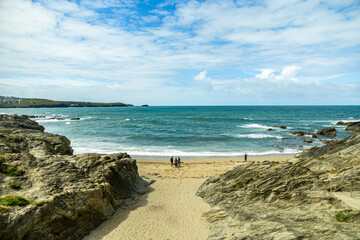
(170, 52)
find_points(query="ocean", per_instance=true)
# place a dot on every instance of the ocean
(192, 132)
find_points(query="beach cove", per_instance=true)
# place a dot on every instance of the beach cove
(171, 210)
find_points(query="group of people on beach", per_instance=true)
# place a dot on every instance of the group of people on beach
(175, 161)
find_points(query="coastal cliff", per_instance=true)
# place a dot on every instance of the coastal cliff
(48, 193)
(305, 198)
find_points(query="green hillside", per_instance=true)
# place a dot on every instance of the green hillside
(42, 103)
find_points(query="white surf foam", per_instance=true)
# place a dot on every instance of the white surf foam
(254, 125)
(257, 135)
(167, 153)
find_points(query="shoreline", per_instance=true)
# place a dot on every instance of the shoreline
(172, 190)
(198, 168)
(209, 158)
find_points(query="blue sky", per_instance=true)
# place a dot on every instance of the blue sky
(182, 52)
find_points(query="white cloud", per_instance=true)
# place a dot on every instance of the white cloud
(288, 74)
(201, 77)
(104, 43)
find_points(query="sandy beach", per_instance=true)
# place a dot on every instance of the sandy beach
(171, 210)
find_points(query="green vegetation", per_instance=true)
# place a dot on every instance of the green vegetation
(343, 216)
(14, 201)
(243, 183)
(1, 159)
(4, 210)
(14, 185)
(12, 171)
(38, 103)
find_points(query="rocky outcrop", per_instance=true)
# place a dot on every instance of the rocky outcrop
(355, 127)
(304, 134)
(351, 126)
(291, 200)
(343, 123)
(69, 195)
(327, 131)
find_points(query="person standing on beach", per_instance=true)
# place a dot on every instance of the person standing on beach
(172, 160)
(245, 156)
(176, 162)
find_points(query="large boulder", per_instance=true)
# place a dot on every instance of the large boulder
(327, 131)
(19, 134)
(355, 127)
(69, 194)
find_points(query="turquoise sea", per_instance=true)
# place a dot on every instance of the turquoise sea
(192, 132)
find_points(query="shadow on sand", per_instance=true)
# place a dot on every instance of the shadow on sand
(119, 216)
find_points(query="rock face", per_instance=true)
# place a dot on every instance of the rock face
(69, 194)
(355, 126)
(291, 200)
(327, 131)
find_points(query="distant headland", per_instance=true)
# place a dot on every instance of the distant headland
(16, 102)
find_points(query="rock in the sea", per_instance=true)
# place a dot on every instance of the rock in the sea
(291, 200)
(307, 141)
(282, 127)
(304, 134)
(69, 195)
(343, 123)
(355, 127)
(270, 129)
(327, 131)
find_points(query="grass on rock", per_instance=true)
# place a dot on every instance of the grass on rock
(12, 171)
(343, 216)
(14, 201)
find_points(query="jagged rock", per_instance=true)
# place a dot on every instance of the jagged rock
(307, 141)
(290, 200)
(19, 134)
(327, 131)
(19, 122)
(303, 134)
(343, 123)
(355, 127)
(71, 194)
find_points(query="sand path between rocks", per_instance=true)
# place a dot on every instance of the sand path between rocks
(171, 210)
